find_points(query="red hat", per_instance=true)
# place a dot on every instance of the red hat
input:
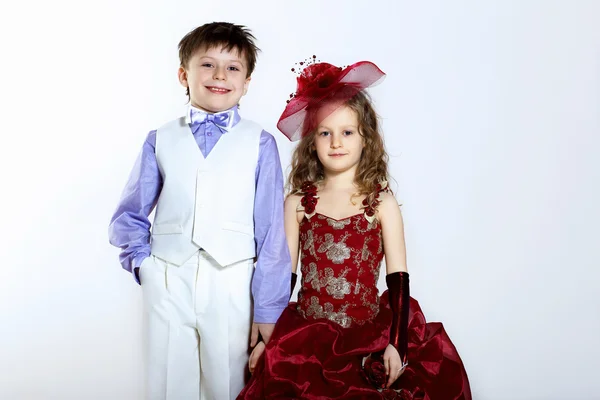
(322, 82)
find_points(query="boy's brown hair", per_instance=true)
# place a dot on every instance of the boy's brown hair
(225, 34)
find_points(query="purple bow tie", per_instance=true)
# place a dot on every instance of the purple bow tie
(220, 120)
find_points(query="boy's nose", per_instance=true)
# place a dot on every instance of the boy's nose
(219, 74)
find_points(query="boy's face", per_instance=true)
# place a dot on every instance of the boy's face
(216, 78)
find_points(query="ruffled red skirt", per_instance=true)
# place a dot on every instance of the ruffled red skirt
(318, 359)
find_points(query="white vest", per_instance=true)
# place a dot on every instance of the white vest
(207, 202)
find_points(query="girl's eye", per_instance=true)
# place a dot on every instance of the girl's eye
(324, 133)
(347, 133)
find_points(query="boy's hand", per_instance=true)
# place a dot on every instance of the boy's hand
(265, 330)
(255, 355)
(393, 364)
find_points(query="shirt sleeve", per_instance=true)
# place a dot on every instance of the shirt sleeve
(271, 282)
(129, 227)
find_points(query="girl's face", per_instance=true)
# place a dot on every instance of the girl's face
(338, 142)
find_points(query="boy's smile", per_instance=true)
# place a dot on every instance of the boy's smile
(218, 90)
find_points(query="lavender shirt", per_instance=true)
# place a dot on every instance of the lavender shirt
(130, 227)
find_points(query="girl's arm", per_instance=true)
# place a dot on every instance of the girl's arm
(392, 227)
(292, 228)
(392, 230)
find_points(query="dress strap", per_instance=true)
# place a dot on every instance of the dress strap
(371, 209)
(309, 200)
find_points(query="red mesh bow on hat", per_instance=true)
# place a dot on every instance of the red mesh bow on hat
(322, 83)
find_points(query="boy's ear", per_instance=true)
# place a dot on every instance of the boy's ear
(182, 75)
(246, 84)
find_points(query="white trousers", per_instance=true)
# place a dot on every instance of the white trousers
(198, 319)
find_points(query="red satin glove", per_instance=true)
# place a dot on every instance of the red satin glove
(399, 296)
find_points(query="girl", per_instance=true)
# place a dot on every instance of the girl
(341, 340)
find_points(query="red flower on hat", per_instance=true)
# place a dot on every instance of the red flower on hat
(317, 77)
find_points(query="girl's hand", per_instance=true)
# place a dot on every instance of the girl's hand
(393, 364)
(255, 355)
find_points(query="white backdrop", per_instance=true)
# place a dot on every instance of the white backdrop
(490, 114)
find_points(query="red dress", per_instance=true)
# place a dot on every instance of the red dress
(319, 343)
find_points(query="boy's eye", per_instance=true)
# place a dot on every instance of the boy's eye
(234, 68)
(207, 65)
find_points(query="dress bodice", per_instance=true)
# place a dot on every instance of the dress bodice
(340, 261)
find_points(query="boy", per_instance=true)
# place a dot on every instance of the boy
(217, 185)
